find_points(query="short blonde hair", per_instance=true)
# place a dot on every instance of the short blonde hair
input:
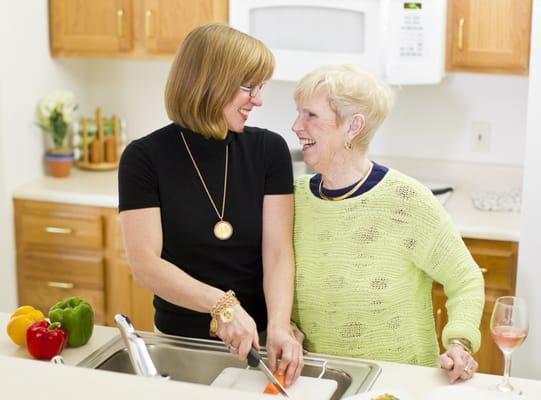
(210, 65)
(350, 90)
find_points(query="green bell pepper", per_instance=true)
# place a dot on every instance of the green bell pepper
(76, 317)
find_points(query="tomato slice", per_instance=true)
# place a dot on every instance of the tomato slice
(271, 389)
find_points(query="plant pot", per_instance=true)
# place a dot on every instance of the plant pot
(59, 164)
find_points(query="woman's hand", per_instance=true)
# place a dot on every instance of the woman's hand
(283, 344)
(298, 334)
(458, 362)
(240, 334)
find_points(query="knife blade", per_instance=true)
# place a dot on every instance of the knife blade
(255, 360)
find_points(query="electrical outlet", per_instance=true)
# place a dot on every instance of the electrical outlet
(480, 136)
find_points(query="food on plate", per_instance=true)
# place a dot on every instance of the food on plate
(76, 317)
(19, 322)
(45, 340)
(385, 396)
(271, 389)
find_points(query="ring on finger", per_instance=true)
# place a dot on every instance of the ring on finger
(468, 369)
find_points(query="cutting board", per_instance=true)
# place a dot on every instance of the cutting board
(249, 380)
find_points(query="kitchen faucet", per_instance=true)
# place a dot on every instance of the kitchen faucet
(137, 350)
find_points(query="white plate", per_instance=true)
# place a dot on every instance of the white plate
(372, 394)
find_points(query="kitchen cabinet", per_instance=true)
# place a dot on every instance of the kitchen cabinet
(489, 36)
(71, 250)
(127, 28)
(98, 26)
(124, 294)
(498, 263)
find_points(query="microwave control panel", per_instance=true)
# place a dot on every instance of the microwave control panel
(416, 47)
(411, 40)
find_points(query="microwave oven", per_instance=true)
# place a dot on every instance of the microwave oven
(402, 42)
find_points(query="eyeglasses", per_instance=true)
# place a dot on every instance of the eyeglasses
(252, 90)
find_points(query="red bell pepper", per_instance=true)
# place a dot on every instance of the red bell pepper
(45, 340)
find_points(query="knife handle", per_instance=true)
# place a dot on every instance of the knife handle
(254, 358)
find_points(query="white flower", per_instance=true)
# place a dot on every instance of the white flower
(63, 102)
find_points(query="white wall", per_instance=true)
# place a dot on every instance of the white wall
(527, 359)
(27, 72)
(432, 121)
(133, 90)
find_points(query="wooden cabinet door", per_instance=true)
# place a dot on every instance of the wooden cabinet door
(125, 296)
(489, 356)
(167, 22)
(498, 263)
(489, 36)
(96, 26)
(142, 308)
(440, 312)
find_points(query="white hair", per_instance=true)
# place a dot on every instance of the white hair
(350, 90)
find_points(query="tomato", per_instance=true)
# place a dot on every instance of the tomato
(271, 389)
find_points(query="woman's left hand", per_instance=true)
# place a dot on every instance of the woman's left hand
(458, 362)
(282, 345)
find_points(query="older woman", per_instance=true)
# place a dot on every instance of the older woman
(206, 203)
(369, 240)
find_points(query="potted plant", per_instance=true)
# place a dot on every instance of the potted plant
(55, 115)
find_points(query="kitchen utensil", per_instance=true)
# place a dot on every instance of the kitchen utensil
(255, 360)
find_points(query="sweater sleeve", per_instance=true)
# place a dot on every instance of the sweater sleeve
(449, 262)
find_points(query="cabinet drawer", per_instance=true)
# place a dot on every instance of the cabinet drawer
(497, 261)
(63, 270)
(40, 295)
(85, 233)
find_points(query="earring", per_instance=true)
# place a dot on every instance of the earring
(347, 145)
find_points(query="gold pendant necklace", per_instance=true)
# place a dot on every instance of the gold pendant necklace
(349, 192)
(223, 230)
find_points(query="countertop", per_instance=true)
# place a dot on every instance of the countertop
(101, 189)
(18, 369)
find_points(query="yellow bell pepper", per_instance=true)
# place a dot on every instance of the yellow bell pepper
(19, 322)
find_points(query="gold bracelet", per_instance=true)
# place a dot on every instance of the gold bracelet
(464, 343)
(223, 309)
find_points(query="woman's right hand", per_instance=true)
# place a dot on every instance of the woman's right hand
(240, 334)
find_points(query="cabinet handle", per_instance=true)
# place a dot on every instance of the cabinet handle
(120, 22)
(483, 270)
(148, 23)
(61, 285)
(460, 33)
(438, 323)
(61, 231)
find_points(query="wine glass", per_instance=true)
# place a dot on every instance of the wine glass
(509, 328)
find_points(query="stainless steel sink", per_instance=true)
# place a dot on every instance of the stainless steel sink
(201, 361)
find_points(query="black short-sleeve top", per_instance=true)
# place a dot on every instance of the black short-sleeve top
(156, 171)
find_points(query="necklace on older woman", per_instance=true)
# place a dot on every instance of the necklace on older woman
(350, 192)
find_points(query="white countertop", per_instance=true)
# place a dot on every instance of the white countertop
(18, 369)
(98, 188)
(101, 189)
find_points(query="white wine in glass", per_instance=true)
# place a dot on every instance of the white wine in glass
(509, 328)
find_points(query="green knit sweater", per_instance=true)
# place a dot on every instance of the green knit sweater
(365, 267)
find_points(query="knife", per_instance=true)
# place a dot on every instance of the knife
(255, 360)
